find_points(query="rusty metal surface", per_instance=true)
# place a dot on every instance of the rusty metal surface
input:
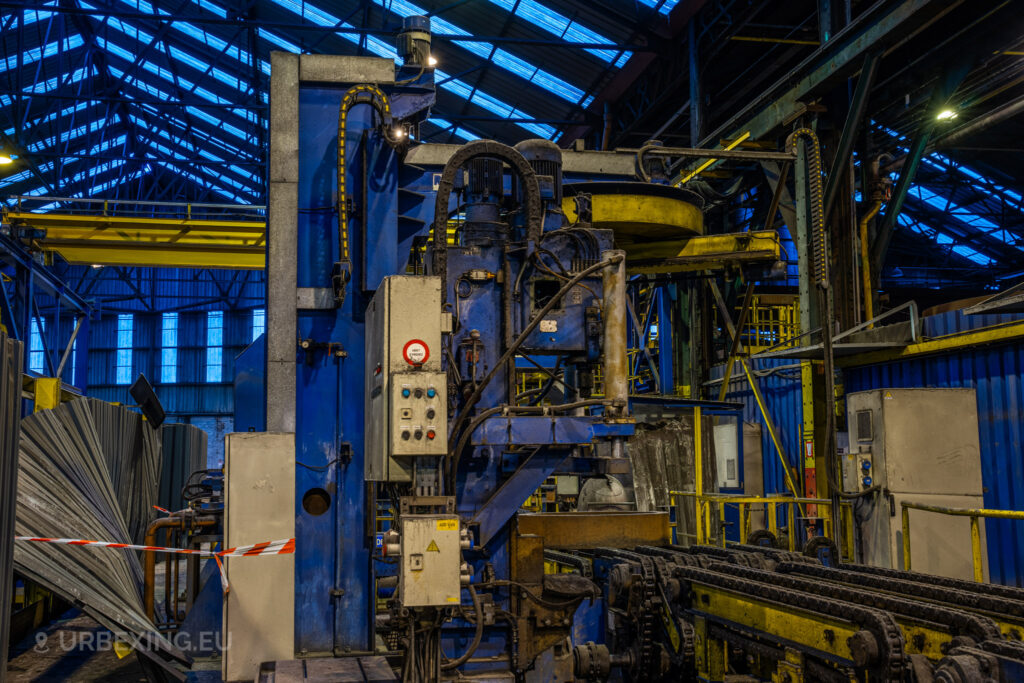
(572, 530)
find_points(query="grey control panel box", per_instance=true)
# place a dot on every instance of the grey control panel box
(431, 559)
(406, 391)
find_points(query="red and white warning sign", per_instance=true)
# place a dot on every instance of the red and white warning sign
(416, 352)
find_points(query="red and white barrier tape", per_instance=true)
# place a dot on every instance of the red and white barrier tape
(282, 547)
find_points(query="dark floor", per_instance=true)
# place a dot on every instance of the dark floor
(71, 648)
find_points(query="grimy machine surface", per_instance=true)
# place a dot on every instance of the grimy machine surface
(391, 346)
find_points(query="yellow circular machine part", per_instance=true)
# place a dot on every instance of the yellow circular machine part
(640, 217)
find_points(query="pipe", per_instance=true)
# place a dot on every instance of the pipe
(865, 260)
(149, 575)
(616, 364)
(478, 633)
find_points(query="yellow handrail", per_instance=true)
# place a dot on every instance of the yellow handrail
(974, 513)
(743, 502)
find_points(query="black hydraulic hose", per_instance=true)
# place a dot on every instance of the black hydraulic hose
(514, 346)
(546, 389)
(475, 150)
(478, 634)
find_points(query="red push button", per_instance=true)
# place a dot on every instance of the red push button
(431, 434)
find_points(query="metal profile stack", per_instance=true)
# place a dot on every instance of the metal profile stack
(132, 452)
(184, 452)
(66, 490)
(10, 419)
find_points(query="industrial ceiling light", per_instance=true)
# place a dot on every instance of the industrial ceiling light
(946, 115)
(432, 60)
(6, 157)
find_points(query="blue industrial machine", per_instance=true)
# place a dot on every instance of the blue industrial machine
(406, 284)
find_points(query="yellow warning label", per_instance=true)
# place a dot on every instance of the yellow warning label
(447, 525)
(888, 394)
(432, 548)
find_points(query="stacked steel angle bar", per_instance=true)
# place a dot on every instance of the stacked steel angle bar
(86, 470)
(10, 412)
(184, 449)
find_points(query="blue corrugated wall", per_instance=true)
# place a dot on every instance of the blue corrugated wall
(191, 399)
(997, 374)
(779, 381)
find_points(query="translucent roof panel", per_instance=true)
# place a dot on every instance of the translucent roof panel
(385, 49)
(37, 53)
(564, 28)
(491, 53)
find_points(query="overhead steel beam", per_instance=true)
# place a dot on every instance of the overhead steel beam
(851, 128)
(14, 254)
(879, 26)
(943, 90)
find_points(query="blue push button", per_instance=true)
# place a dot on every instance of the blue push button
(406, 393)
(865, 465)
(431, 393)
(866, 481)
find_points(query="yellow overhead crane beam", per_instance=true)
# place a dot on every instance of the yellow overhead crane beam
(172, 242)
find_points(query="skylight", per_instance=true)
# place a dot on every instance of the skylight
(59, 81)
(453, 129)
(487, 51)
(179, 142)
(179, 55)
(46, 119)
(201, 182)
(88, 173)
(199, 34)
(944, 164)
(943, 239)
(217, 123)
(91, 127)
(564, 28)
(35, 54)
(31, 16)
(175, 80)
(383, 49)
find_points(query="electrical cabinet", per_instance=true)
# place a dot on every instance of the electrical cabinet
(431, 561)
(919, 446)
(406, 391)
(259, 505)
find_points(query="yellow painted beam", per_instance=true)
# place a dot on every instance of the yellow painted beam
(157, 242)
(708, 252)
(159, 255)
(982, 337)
(642, 215)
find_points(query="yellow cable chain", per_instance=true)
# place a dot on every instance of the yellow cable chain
(383, 105)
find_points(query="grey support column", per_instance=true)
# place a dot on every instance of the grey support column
(282, 239)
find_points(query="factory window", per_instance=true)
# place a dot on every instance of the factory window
(73, 377)
(214, 345)
(36, 354)
(125, 327)
(169, 349)
(259, 322)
